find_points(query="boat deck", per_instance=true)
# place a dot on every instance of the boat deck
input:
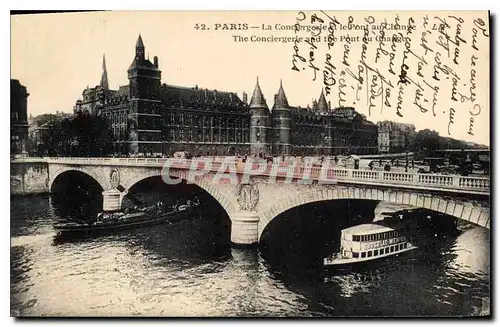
(343, 261)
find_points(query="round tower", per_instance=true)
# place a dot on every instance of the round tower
(281, 122)
(259, 124)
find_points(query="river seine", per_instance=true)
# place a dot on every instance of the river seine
(189, 269)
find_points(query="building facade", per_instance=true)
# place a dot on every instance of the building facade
(18, 117)
(394, 137)
(151, 118)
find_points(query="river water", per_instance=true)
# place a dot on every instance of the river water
(184, 269)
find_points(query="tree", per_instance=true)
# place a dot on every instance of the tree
(52, 136)
(426, 139)
(79, 135)
(91, 135)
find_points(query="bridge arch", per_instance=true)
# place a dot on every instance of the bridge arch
(474, 213)
(94, 174)
(203, 184)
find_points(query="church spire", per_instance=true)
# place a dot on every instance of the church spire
(322, 104)
(281, 100)
(104, 76)
(258, 100)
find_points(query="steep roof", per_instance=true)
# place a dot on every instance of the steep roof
(144, 64)
(322, 104)
(280, 100)
(258, 100)
(139, 43)
(194, 97)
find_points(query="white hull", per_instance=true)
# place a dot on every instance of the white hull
(344, 261)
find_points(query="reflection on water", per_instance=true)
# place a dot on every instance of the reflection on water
(188, 269)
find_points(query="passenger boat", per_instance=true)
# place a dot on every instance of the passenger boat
(114, 221)
(367, 242)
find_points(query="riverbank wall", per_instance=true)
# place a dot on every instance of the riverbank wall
(29, 177)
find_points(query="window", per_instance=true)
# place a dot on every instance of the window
(375, 253)
(363, 254)
(355, 255)
(392, 249)
(369, 254)
(355, 238)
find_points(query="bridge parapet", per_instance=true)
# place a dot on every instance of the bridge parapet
(300, 173)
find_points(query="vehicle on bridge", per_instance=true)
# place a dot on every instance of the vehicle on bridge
(367, 242)
(108, 222)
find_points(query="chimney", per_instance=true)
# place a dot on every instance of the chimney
(245, 98)
(155, 61)
(329, 105)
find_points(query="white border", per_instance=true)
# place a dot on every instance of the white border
(205, 5)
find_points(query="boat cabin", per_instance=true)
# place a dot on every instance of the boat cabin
(371, 240)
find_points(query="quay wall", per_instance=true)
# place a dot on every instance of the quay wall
(27, 178)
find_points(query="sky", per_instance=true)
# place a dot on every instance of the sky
(57, 55)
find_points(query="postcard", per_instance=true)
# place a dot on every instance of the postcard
(250, 164)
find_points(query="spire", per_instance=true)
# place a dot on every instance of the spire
(280, 100)
(322, 104)
(139, 50)
(104, 76)
(139, 43)
(258, 100)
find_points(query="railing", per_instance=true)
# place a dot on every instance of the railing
(444, 182)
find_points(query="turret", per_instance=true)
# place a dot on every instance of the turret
(260, 123)
(322, 104)
(281, 123)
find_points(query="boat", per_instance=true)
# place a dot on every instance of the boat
(366, 242)
(139, 217)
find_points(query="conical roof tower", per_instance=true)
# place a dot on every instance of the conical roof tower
(258, 100)
(322, 104)
(281, 101)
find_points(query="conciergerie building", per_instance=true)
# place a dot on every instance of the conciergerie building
(151, 118)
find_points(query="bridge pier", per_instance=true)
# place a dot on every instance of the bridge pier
(244, 228)
(112, 200)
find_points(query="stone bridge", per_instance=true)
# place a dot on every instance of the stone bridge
(253, 200)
